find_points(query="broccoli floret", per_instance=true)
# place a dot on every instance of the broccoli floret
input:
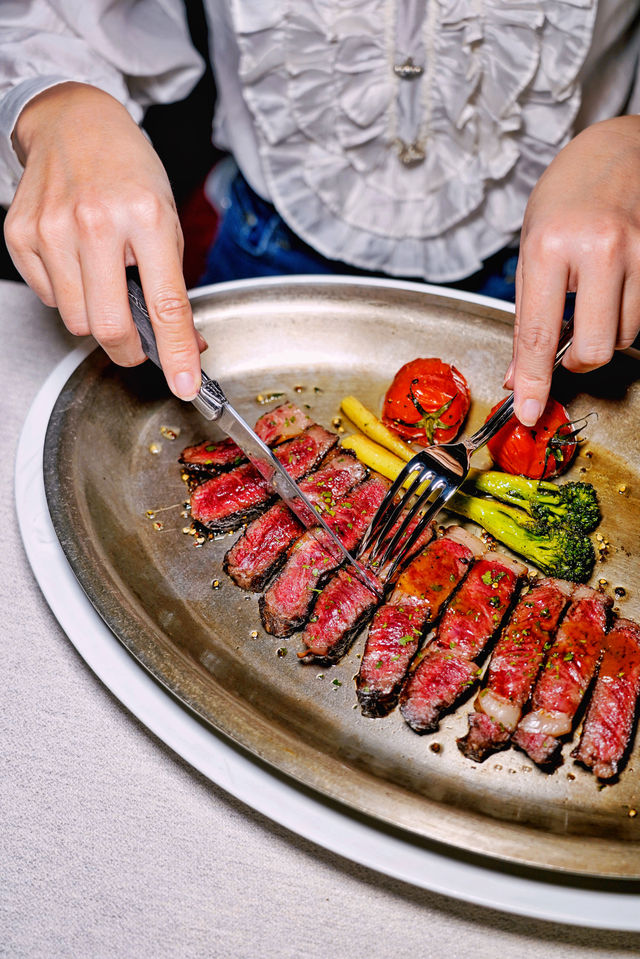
(565, 553)
(569, 504)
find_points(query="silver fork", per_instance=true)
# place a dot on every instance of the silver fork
(435, 474)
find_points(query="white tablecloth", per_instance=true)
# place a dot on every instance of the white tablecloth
(112, 846)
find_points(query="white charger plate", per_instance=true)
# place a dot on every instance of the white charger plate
(512, 889)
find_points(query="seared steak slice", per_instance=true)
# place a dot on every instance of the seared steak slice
(285, 605)
(420, 594)
(212, 456)
(447, 668)
(608, 728)
(514, 668)
(262, 549)
(280, 424)
(227, 500)
(565, 678)
(344, 607)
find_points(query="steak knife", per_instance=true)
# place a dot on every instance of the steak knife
(212, 403)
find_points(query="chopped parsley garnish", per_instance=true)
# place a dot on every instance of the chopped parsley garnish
(404, 640)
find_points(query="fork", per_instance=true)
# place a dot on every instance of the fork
(432, 476)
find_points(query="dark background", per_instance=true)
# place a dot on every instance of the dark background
(181, 133)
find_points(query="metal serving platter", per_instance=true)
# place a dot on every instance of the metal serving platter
(109, 462)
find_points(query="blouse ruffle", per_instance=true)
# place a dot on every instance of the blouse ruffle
(499, 95)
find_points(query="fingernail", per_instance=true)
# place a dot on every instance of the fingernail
(508, 375)
(184, 386)
(202, 343)
(530, 412)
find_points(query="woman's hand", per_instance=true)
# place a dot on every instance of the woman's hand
(581, 233)
(93, 199)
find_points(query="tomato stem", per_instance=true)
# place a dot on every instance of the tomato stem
(429, 421)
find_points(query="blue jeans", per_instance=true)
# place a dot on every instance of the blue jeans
(253, 240)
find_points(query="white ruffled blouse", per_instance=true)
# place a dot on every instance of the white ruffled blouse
(401, 136)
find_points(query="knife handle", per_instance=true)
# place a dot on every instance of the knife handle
(210, 400)
(141, 319)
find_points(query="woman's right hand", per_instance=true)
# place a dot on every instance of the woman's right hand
(93, 199)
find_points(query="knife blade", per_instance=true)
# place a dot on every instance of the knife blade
(212, 403)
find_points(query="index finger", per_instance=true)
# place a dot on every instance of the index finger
(544, 288)
(160, 267)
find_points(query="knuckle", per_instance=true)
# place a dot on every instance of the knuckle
(180, 359)
(17, 232)
(625, 340)
(92, 217)
(110, 333)
(76, 323)
(593, 354)
(77, 327)
(532, 382)
(47, 298)
(171, 307)
(147, 208)
(544, 245)
(50, 227)
(536, 339)
(605, 239)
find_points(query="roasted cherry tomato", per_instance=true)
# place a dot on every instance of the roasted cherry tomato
(426, 402)
(539, 451)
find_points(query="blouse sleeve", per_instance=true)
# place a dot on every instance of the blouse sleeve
(139, 51)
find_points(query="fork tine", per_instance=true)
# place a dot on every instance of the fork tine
(433, 509)
(396, 539)
(388, 511)
(392, 515)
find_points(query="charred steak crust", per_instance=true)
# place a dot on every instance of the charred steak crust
(447, 670)
(261, 550)
(420, 594)
(612, 713)
(211, 457)
(567, 674)
(514, 667)
(228, 500)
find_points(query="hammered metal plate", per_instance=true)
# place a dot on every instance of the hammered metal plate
(315, 341)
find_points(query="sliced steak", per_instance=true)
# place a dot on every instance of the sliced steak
(419, 596)
(447, 669)
(212, 456)
(609, 724)
(262, 549)
(287, 602)
(227, 500)
(217, 456)
(566, 676)
(514, 668)
(344, 607)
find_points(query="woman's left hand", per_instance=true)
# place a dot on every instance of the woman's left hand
(581, 233)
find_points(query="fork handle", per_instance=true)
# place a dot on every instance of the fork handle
(504, 412)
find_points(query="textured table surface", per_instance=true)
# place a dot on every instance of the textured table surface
(112, 846)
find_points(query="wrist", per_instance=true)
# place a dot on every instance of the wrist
(61, 102)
